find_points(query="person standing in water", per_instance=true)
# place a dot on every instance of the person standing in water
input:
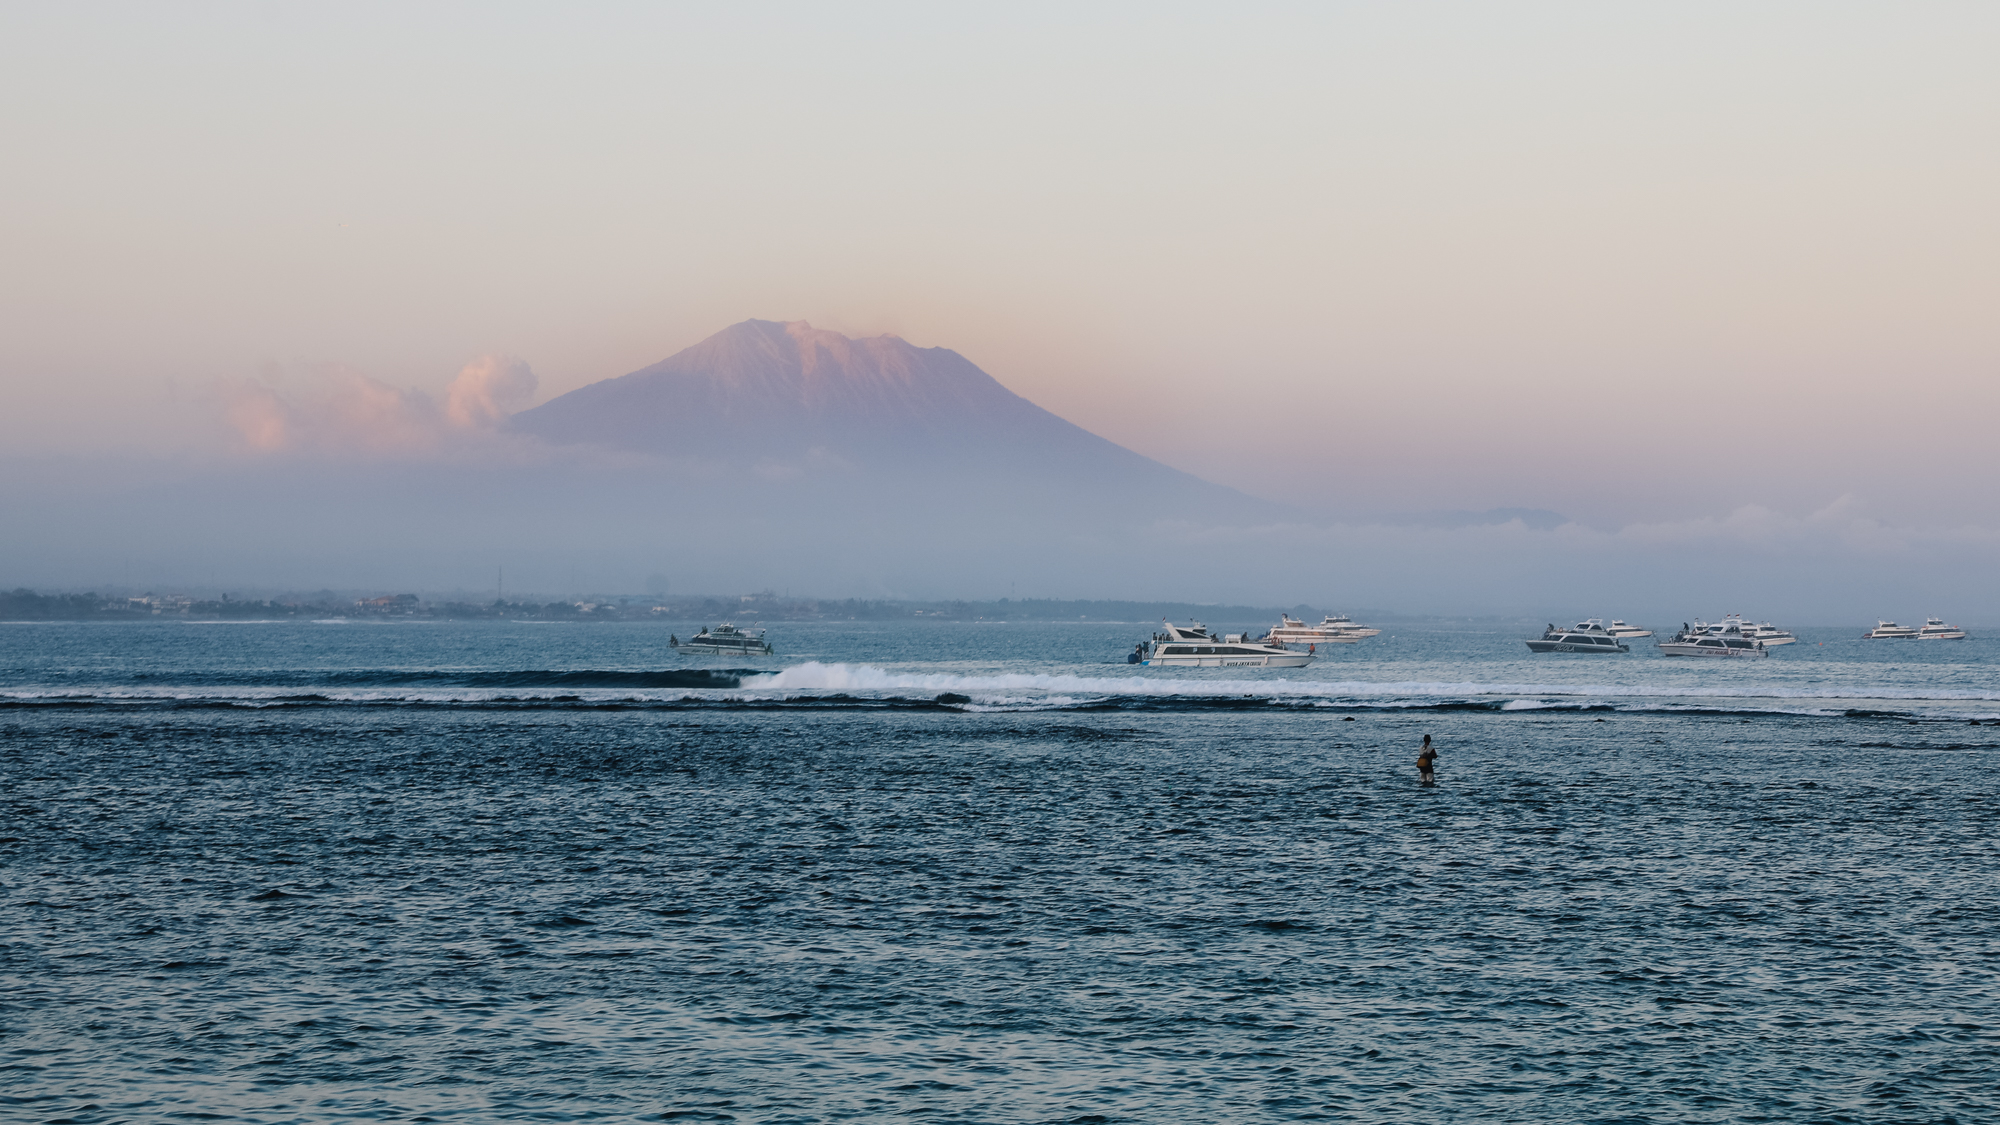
(1426, 762)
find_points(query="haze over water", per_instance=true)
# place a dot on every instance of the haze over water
(273, 872)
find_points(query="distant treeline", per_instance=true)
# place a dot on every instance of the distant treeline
(27, 605)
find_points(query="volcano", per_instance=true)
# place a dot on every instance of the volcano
(787, 400)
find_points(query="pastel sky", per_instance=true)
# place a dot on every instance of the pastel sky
(1628, 262)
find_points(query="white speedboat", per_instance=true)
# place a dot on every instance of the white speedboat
(1587, 636)
(1192, 646)
(1733, 625)
(723, 640)
(1888, 630)
(1936, 630)
(1618, 628)
(1770, 634)
(1336, 629)
(1346, 626)
(1725, 639)
(1714, 646)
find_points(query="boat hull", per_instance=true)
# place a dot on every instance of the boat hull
(1260, 660)
(721, 650)
(1689, 648)
(1571, 646)
(1307, 637)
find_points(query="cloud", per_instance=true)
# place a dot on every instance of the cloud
(336, 410)
(487, 390)
(260, 416)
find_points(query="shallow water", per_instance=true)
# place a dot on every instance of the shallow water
(285, 872)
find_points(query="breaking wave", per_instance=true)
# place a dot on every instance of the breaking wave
(697, 679)
(864, 677)
(822, 685)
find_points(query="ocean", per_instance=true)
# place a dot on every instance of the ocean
(496, 871)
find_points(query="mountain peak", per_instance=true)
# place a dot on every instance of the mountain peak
(783, 398)
(808, 336)
(824, 351)
(789, 380)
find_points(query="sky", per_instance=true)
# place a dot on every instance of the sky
(1649, 266)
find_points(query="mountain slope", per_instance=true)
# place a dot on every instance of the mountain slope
(765, 396)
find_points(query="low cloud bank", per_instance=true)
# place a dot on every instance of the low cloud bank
(1836, 563)
(1843, 526)
(558, 523)
(343, 411)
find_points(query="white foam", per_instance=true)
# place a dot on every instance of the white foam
(1038, 692)
(814, 676)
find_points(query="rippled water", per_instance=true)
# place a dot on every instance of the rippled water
(288, 872)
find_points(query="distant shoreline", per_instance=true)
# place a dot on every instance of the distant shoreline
(26, 606)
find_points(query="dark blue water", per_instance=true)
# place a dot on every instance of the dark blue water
(476, 872)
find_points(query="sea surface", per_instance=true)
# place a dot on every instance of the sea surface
(494, 871)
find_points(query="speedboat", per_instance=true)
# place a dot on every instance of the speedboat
(1336, 629)
(1724, 639)
(1587, 636)
(1341, 623)
(1888, 630)
(1733, 625)
(1618, 628)
(1714, 646)
(723, 640)
(1192, 646)
(1936, 630)
(1770, 634)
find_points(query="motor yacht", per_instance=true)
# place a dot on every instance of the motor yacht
(1346, 626)
(1724, 638)
(1587, 636)
(1889, 630)
(723, 640)
(1713, 645)
(1936, 630)
(1733, 624)
(1193, 646)
(1618, 628)
(1770, 634)
(1336, 629)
